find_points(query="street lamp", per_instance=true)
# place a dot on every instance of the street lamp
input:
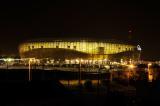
(79, 72)
(131, 67)
(99, 75)
(139, 49)
(29, 71)
(29, 68)
(150, 73)
(7, 61)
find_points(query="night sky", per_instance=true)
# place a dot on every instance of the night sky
(107, 20)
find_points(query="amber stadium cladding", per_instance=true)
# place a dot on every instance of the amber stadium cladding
(78, 48)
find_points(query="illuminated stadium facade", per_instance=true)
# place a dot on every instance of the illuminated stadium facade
(62, 49)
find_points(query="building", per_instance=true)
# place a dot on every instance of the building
(89, 49)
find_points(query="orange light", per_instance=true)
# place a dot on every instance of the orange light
(131, 66)
(149, 64)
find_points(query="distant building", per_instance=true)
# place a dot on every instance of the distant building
(61, 49)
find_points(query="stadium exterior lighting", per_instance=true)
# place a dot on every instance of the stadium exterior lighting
(77, 61)
(93, 49)
(82, 60)
(107, 67)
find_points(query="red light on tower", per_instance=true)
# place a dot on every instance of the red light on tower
(130, 33)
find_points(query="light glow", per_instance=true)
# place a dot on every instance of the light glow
(131, 66)
(84, 46)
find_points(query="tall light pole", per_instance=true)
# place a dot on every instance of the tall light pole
(7, 62)
(29, 68)
(150, 73)
(139, 49)
(29, 71)
(80, 72)
(130, 68)
(98, 75)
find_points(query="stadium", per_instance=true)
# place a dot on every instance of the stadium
(87, 49)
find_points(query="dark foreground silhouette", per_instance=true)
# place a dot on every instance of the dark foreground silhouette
(45, 89)
(51, 92)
